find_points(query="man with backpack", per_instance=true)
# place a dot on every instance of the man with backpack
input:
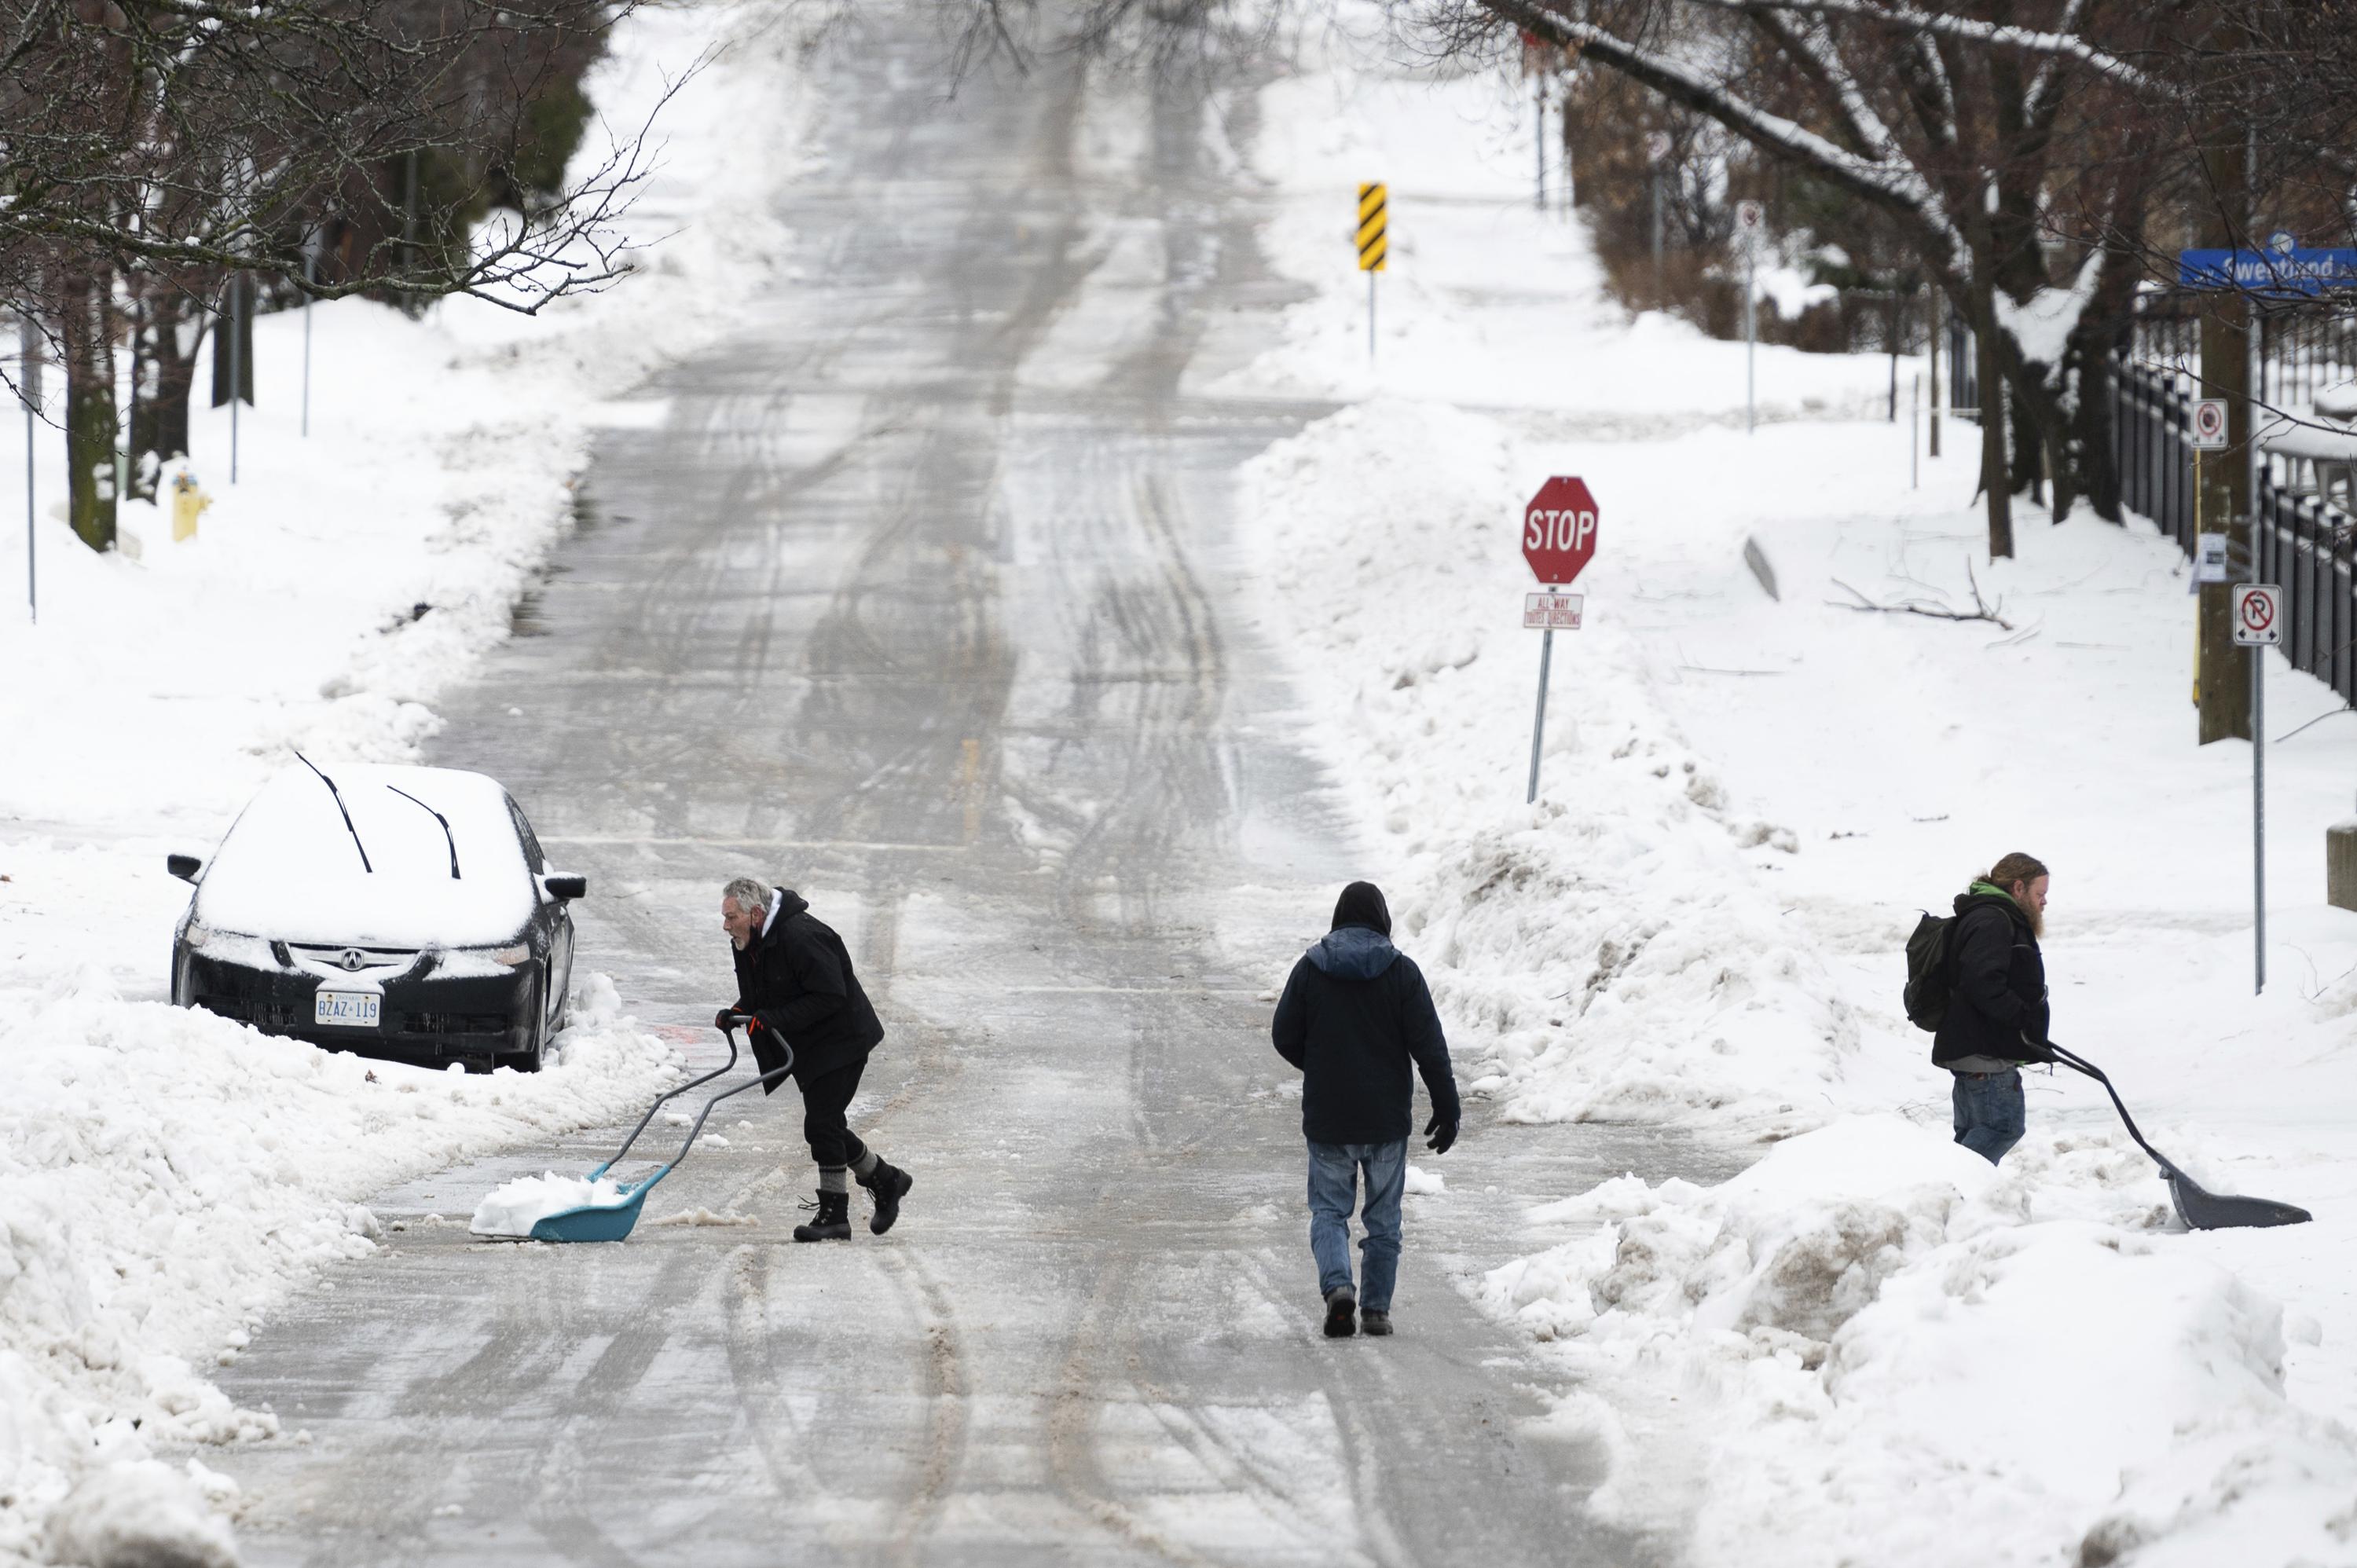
(1978, 982)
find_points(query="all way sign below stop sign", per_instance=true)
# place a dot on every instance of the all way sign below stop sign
(1559, 530)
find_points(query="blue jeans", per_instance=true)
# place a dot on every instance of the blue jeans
(1989, 1119)
(1333, 1192)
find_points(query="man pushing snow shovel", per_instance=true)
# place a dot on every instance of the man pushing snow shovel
(794, 976)
(1987, 958)
(1355, 1012)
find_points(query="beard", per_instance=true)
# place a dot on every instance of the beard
(2036, 923)
(740, 941)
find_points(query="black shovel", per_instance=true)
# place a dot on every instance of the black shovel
(2199, 1208)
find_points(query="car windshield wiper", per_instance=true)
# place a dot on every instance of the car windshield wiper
(438, 817)
(338, 794)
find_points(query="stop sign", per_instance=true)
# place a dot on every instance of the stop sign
(1559, 530)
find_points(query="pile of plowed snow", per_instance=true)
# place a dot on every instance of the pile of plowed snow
(1610, 953)
(165, 1176)
(1873, 1333)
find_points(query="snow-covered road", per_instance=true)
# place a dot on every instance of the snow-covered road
(921, 595)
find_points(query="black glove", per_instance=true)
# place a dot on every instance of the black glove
(724, 1020)
(1439, 1133)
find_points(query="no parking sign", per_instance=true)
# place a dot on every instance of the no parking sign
(2210, 425)
(2258, 615)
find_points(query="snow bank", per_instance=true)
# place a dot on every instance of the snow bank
(1872, 1333)
(513, 1208)
(167, 1175)
(144, 1514)
(1608, 953)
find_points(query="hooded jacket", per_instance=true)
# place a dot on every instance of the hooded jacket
(1997, 998)
(1355, 1014)
(798, 977)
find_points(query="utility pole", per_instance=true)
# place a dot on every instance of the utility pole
(1657, 147)
(236, 362)
(1538, 103)
(1936, 312)
(310, 270)
(2223, 492)
(28, 388)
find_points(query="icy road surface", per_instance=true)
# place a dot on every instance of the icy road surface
(920, 597)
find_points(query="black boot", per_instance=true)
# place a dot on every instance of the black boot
(831, 1223)
(887, 1185)
(1342, 1312)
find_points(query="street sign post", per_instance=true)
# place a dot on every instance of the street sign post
(2258, 626)
(1750, 224)
(1552, 612)
(2210, 425)
(2297, 272)
(1374, 246)
(1558, 540)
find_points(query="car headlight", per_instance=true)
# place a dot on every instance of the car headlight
(520, 952)
(197, 934)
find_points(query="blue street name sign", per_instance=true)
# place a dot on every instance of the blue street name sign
(2294, 271)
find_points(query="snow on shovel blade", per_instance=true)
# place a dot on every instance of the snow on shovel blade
(551, 1208)
(2204, 1210)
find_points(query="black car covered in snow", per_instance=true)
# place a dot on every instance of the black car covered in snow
(400, 912)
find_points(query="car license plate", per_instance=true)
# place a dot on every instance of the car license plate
(347, 1009)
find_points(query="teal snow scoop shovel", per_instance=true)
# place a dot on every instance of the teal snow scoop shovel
(2200, 1208)
(611, 1222)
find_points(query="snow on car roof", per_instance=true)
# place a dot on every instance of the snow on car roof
(288, 868)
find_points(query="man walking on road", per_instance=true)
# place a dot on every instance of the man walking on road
(1997, 1016)
(1355, 1012)
(794, 974)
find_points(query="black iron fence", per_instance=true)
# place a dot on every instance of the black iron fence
(2304, 536)
(2301, 536)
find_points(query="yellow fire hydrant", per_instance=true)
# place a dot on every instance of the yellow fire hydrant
(188, 501)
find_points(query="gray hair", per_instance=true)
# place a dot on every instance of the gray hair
(748, 894)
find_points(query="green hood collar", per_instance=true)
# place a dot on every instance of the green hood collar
(1992, 887)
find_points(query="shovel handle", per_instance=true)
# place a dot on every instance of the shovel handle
(2080, 1064)
(767, 1081)
(669, 1094)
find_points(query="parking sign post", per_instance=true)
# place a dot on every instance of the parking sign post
(2258, 626)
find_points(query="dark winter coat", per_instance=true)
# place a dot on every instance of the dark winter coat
(1997, 995)
(798, 978)
(1355, 1012)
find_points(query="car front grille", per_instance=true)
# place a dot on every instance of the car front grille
(377, 963)
(454, 1023)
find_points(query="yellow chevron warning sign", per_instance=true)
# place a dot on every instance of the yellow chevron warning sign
(1372, 217)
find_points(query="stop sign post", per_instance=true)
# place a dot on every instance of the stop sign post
(1558, 540)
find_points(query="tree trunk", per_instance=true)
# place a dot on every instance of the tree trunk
(87, 347)
(1993, 488)
(2091, 460)
(2027, 444)
(159, 422)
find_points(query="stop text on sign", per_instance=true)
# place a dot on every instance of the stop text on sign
(1547, 528)
(1559, 529)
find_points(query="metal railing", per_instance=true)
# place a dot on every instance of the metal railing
(2298, 538)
